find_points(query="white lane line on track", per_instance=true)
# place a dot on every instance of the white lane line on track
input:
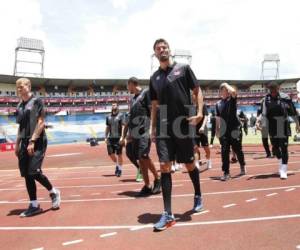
(202, 212)
(67, 243)
(251, 200)
(75, 195)
(136, 228)
(229, 205)
(272, 194)
(40, 248)
(108, 235)
(178, 224)
(298, 247)
(62, 155)
(290, 189)
(159, 196)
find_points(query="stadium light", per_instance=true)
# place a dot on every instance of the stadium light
(34, 52)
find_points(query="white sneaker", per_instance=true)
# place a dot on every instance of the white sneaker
(283, 171)
(173, 169)
(177, 167)
(208, 164)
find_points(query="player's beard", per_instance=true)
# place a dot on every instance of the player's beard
(164, 58)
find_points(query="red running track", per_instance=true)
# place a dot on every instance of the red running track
(99, 210)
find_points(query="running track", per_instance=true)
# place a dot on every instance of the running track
(99, 210)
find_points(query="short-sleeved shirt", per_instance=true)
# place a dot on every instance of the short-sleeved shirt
(226, 109)
(204, 113)
(114, 123)
(171, 87)
(277, 111)
(139, 114)
(27, 116)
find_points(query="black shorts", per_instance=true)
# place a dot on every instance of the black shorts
(173, 148)
(201, 139)
(141, 147)
(31, 165)
(114, 147)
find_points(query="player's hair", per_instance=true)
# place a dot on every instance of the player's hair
(24, 81)
(160, 40)
(133, 80)
(222, 86)
(273, 85)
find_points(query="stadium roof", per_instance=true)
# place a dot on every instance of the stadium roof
(122, 82)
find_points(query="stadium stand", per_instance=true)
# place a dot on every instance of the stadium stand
(77, 107)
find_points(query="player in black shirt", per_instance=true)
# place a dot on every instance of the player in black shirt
(31, 145)
(113, 134)
(201, 138)
(129, 147)
(213, 127)
(276, 108)
(264, 132)
(170, 91)
(139, 126)
(228, 129)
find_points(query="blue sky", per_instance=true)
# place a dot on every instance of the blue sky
(113, 38)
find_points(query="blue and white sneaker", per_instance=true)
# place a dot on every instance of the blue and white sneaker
(198, 206)
(166, 220)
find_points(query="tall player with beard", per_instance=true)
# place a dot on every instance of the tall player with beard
(171, 124)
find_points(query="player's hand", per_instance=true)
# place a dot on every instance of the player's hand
(201, 130)
(122, 141)
(217, 133)
(30, 148)
(17, 149)
(258, 126)
(153, 135)
(298, 128)
(194, 120)
(105, 140)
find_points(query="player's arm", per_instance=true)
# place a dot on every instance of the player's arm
(106, 133)
(198, 97)
(231, 90)
(124, 132)
(153, 118)
(218, 126)
(17, 146)
(295, 115)
(40, 126)
(204, 123)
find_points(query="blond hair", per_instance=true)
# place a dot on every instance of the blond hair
(23, 80)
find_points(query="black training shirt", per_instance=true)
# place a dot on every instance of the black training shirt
(171, 87)
(27, 115)
(139, 114)
(277, 111)
(226, 109)
(114, 123)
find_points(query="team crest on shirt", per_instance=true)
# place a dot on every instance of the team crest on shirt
(177, 73)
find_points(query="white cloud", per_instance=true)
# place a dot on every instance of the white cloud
(227, 38)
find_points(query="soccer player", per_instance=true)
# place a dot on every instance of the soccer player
(113, 134)
(139, 126)
(276, 107)
(228, 129)
(170, 88)
(31, 145)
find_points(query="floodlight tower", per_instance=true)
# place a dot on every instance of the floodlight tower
(29, 52)
(270, 67)
(180, 56)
